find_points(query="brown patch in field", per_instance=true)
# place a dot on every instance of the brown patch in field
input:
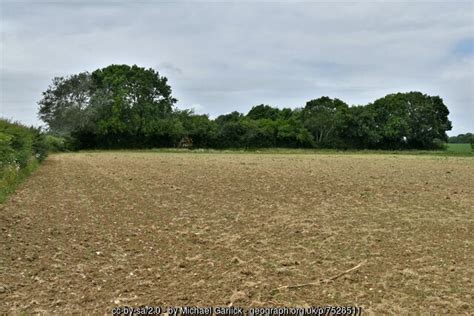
(90, 231)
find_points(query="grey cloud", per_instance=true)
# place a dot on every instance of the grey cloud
(227, 56)
(170, 68)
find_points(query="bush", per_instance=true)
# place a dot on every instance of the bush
(40, 147)
(439, 144)
(57, 143)
(20, 142)
(21, 148)
(7, 154)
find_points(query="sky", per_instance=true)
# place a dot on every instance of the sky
(221, 56)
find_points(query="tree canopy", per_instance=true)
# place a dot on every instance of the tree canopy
(325, 119)
(462, 139)
(123, 106)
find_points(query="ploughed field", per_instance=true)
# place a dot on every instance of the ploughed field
(91, 231)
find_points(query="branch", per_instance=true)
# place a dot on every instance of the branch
(334, 277)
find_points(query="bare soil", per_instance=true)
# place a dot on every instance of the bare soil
(90, 231)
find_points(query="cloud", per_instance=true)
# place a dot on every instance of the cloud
(170, 68)
(227, 56)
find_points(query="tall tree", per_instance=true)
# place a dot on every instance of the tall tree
(428, 119)
(140, 97)
(324, 118)
(410, 120)
(118, 105)
(65, 104)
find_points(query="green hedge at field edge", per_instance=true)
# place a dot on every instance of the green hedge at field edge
(21, 150)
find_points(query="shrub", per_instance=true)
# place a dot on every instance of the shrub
(7, 155)
(20, 141)
(40, 146)
(439, 144)
(21, 148)
(57, 143)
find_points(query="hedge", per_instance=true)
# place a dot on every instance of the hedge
(21, 149)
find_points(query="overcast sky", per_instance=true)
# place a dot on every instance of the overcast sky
(224, 56)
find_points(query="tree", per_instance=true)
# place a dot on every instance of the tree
(291, 134)
(198, 128)
(132, 107)
(230, 130)
(65, 104)
(113, 107)
(461, 139)
(231, 117)
(428, 119)
(263, 112)
(324, 118)
(360, 128)
(141, 98)
(259, 133)
(391, 122)
(410, 120)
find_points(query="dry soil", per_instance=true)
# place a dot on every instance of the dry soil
(90, 231)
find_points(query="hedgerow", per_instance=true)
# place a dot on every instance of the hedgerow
(21, 149)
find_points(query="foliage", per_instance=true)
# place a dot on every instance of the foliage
(117, 106)
(398, 121)
(123, 106)
(459, 148)
(325, 118)
(263, 112)
(65, 104)
(21, 148)
(467, 138)
(39, 146)
(58, 143)
(7, 154)
(17, 144)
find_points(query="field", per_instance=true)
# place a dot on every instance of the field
(459, 148)
(90, 231)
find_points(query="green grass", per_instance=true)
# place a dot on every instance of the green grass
(10, 179)
(459, 148)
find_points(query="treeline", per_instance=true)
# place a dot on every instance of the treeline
(467, 138)
(124, 106)
(21, 148)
